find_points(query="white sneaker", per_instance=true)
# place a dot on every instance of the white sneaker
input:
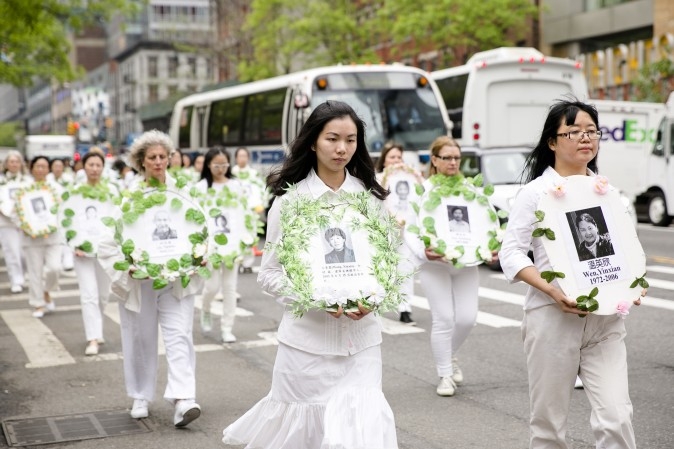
(16, 288)
(579, 383)
(92, 349)
(186, 411)
(38, 313)
(457, 374)
(446, 387)
(139, 409)
(206, 321)
(228, 336)
(50, 306)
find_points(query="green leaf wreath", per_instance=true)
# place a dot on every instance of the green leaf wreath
(303, 216)
(24, 224)
(137, 202)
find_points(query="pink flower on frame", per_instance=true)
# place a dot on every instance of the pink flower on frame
(623, 309)
(600, 184)
(559, 189)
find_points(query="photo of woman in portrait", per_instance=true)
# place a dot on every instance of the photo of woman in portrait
(592, 244)
(340, 253)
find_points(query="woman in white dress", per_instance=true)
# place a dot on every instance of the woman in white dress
(325, 360)
(216, 174)
(10, 235)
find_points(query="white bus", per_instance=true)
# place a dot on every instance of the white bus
(396, 102)
(51, 146)
(500, 97)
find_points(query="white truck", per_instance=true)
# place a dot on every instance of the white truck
(50, 146)
(632, 155)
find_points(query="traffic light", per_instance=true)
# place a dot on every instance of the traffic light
(72, 128)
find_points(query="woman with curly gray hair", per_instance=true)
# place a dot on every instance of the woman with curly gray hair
(142, 308)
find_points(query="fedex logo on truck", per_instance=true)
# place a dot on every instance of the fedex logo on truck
(629, 131)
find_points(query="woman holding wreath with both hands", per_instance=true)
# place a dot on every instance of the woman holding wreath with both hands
(10, 235)
(325, 359)
(558, 344)
(142, 309)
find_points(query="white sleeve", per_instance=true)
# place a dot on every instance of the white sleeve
(517, 239)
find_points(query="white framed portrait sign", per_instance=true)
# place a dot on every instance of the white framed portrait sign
(338, 253)
(163, 236)
(596, 256)
(457, 220)
(36, 209)
(405, 187)
(81, 218)
(8, 197)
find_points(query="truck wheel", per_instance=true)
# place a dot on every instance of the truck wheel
(657, 210)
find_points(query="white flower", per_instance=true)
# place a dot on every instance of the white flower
(169, 275)
(199, 250)
(485, 254)
(137, 254)
(375, 294)
(500, 233)
(247, 239)
(453, 254)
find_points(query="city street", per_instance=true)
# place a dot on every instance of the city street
(44, 372)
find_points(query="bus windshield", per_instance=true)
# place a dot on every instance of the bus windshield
(409, 116)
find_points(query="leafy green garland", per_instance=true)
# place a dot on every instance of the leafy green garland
(25, 226)
(136, 204)
(301, 216)
(100, 192)
(469, 188)
(214, 202)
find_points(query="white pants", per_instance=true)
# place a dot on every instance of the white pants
(248, 259)
(222, 279)
(94, 292)
(67, 257)
(43, 263)
(452, 297)
(558, 347)
(139, 344)
(405, 266)
(10, 239)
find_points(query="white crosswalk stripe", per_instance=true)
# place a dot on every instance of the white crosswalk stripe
(43, 348)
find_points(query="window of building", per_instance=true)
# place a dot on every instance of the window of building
(152, 66)
(172, 66)
(192, 63)
(591, 5)
(152, 93)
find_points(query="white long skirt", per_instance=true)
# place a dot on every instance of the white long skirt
(319, 402)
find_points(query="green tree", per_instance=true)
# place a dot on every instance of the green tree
(653, 83)
(290, 35)
(34, 35)
(458, 25)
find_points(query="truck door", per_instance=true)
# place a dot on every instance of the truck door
(660, 173)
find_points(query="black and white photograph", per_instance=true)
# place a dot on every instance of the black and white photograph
(590, 233)
(221, 224)
(338, 248)
(162, 227)
(458, 219)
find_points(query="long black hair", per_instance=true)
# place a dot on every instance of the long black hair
(561, 112)
(206, 169)
(302, 159)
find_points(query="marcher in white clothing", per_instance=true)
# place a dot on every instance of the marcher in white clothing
(326, 388)
(57, 175)
(142, 309)
(43, 255)
(558, 344)
(244, 172)
(10, 235)
(216, 174)
(451, 292)
(94, 281)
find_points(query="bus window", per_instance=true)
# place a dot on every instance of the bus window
(453, 91)
(185, 127)
(225, 122)
(264, 114)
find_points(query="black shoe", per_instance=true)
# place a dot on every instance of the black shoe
(247, 270)
(406, 318)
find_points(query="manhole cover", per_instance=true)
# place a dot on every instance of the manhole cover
(76, 427)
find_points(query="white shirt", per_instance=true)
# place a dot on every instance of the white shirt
(518, 239)
(317, 332)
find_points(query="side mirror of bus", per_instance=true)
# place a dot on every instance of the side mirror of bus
(301, 101)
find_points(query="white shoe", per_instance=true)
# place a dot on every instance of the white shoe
(206, 321)
(16, 288)
(139, 409)
(579, 383)
(186, 411)
(446, 387)
(38, 313)
(50, 306)
(457, 374)
(228, 336)
(92, 349)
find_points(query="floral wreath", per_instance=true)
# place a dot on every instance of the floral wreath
(470, 189)
(100, 192)
(214, 202)
(137, 203)
(587, 303)
(302, 216)
(25, 226)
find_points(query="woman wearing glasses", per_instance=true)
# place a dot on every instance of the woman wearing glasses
(558, 344)
(217, 175)
(451, 291)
